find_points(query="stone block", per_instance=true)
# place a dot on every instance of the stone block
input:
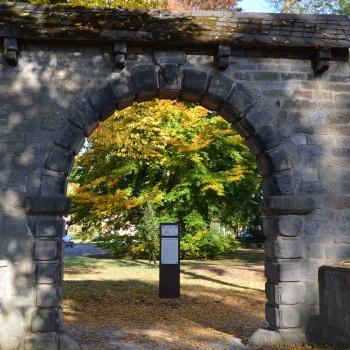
(194, 83)
(283, 271)
(316, 251)
(71, 137)
(285, 248)
(145, 79)
(84, 116)
(44, 320)
(290, 225)
(283, 316)
(218, 90)
(47, 226)
(47, 273)
(103, 101)
(172, 57)
(47, 295)
(60, 159)
(123, 89)
(46, 249)
(287, 182)
(52, 205)
(68, 343)
(169, 81)
(240, 101)
(288, 205)
(283, 157)
(264, 165)
(293, 335)
(288, 293)
(338, 251)
(268, 137)
(256, 117)
(52, 183)
(265, 338)
(42, 341)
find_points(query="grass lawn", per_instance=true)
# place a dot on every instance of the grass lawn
(114, 304)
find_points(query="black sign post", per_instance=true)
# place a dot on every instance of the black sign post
(169, 267)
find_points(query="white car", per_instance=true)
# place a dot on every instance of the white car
(68, 241)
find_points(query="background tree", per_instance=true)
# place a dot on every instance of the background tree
(148, 230)
(312, 6)
(187, 162)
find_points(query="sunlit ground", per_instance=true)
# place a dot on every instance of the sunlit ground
(114, 304)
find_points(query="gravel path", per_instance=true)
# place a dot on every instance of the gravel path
(84, 249)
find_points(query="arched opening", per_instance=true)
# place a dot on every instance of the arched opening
(186, 151)
(216, 91)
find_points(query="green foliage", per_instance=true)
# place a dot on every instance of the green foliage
(208, 244)
(185, 162)
(148, 232)
(312, 6)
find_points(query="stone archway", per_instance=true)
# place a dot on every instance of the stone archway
(277, 161)
(285, 94)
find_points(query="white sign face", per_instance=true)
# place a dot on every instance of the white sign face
(170, 251)
(170, 230)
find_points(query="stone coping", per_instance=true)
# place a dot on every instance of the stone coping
(33, 22)
(335, 267)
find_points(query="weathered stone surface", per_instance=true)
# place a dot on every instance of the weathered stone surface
(193, 84)
(42, 341)
(172, 57)
(47, 296)
(296, 126)
(60, 160)
(71, 137)
(104, 101)
(288, 205)
(169, 81)
(47, 273)
(288, 293)
(285, 248)
(264, 337)
(123, 89)
(283, 316)
(218, 90)
(290, 225)
(68, 343)
(83, 115)
(44, 320)
(293, 335)
(46, 249)
(51, 205)
(283, 271)
(145, 79)
(47, 226)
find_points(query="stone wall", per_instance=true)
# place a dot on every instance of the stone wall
(296, 124)
(335, 304)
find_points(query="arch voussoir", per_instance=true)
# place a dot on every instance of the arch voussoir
(218, 90)
(60, 159)
(103, 101)
(170, 80)
(83, 115)
(145, 78)
(123, 89)
(194, 83)
(71, 137)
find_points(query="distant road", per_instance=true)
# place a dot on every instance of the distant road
(84, 249)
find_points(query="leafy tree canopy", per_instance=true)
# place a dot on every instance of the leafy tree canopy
(187, 162)
(312, 6)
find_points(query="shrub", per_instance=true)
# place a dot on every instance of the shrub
(207, 245)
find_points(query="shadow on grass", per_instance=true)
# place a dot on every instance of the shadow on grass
(210, 279)
(136, 303)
